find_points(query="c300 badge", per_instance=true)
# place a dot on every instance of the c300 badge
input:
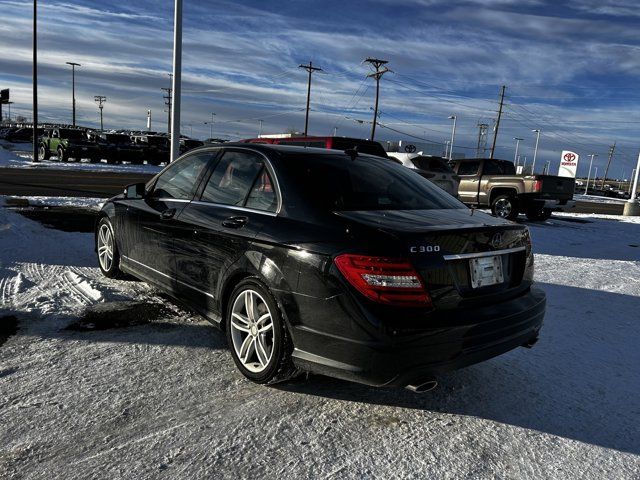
(424, 249)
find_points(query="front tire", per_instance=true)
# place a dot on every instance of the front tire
(107, 249)
(257, 335)
(62, 155)
(505, 206)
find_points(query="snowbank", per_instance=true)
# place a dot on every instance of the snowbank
(164, 400)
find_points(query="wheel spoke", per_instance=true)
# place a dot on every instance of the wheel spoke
(261, 351)
(246, 349)
(263, 319)
(249, 303)
(240, 323)
(266, 328)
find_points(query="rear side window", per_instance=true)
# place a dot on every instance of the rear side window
(179, 181)
(468, 168)
(240, 179)
(498, 167)
(431, 164)
(335, 183)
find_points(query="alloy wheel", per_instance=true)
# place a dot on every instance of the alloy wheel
(503, 207)
(105, 247)
(252, 331)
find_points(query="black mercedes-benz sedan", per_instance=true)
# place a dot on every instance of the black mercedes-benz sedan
(325, 261)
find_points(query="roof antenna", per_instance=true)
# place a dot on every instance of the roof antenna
(352, 152)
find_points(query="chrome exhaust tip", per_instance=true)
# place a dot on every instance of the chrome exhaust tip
(423, 387)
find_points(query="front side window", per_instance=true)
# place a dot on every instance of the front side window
(240, 179)
(179, 181)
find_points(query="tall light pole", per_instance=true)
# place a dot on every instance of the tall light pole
(260, 129)
(518, 140)
(177, 80)
(535, 152)
(633, 173)
(453, 135)
(73, 88)
(593, 155)
(35, 81)
(210, 125)
(100, 100)
(446, 148)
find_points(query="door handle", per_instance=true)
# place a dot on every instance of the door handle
(168, 213)
(235, 222)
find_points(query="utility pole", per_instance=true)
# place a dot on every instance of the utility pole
(482, 138)
(535, 151)
(148, 120)
(495, 130)
(606, 170)
(167, 101)
(518, 140)
(309, 68)
(377, 75)
(35, 80)
(73, 88)
(100, 99)
(453, 135)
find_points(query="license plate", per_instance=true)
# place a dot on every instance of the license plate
(486, 271)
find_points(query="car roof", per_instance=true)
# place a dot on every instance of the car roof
(267, 148)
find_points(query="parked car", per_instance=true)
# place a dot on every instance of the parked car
(435, 169)
(156, 148)
(493, 183)
(21, 134)
(334, 143)
(329, 262)
(118, 148)
(187, 144)
(67, 143)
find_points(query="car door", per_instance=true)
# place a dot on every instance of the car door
(469, 181)
(215, 230)
(150, 222)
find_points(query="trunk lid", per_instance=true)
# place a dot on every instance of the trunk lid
(444, 245)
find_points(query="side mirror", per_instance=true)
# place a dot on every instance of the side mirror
(134, 191)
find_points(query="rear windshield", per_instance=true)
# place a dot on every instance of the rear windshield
(337, 183)
(431, 164)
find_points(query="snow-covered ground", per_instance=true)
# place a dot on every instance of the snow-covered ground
(164, 400)
(19, 155)
(597, 198)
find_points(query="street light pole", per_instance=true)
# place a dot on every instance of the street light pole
(589, 174)
(260, 129)
(535, 152)
(177, 81)
(453, 135)
(73, 88)
(518, 140)
(35, 81)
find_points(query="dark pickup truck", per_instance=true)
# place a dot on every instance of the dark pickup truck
(494, 183)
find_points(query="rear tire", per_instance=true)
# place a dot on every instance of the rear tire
(107, 249)
(43, 153)
(258, 338)
(505, 206)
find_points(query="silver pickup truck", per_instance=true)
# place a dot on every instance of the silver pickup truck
(494, 183)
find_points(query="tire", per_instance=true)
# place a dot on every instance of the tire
(247, 339)
(107, 249)
(505, 206)
(539, 214)
(62, 156)
(43, 153)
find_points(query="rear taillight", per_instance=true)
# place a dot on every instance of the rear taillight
(384, 280)
(537, 186)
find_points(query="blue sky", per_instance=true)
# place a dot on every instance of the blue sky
(571, 68)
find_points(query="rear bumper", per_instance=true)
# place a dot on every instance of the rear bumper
(476, 335)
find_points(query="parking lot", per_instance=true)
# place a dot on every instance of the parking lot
(116, 394)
